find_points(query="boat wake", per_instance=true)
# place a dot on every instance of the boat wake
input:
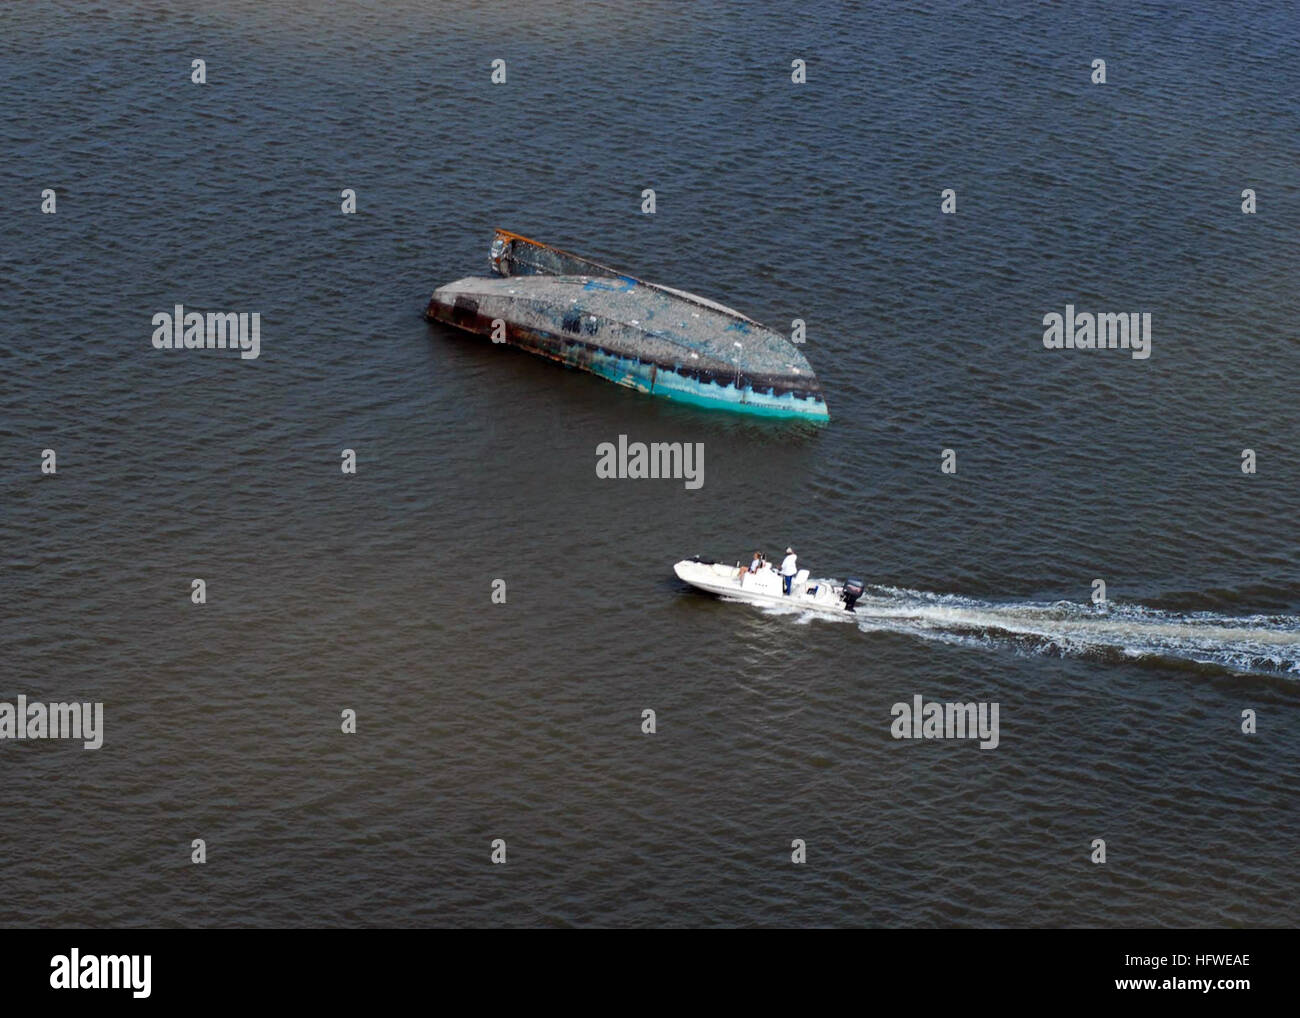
(1261, 644)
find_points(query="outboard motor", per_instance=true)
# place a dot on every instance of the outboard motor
(852, 591)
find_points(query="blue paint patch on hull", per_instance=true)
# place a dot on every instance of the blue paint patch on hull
(668, 384)
(673, 386)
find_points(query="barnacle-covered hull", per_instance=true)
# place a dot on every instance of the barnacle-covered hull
(650, 338)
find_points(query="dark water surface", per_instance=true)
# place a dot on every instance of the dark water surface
(522, 721)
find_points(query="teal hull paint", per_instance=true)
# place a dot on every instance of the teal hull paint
(635, 374)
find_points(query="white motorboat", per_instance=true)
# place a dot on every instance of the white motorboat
(765, 586)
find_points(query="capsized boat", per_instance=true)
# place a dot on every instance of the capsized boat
(766, 587)
(651, 338)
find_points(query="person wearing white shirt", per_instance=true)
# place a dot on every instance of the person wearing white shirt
(788, 569)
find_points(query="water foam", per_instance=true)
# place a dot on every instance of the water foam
(1267, 644)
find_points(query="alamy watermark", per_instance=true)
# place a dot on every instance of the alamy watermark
(217, 330)
(1105, 331)
(682, 461)
(73, 971)
(25, 720)
(921, 720)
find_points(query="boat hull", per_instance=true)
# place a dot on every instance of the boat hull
(763, 589)
(543, 323)
(655, 339)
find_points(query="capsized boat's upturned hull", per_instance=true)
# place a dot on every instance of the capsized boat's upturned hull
(650, 338)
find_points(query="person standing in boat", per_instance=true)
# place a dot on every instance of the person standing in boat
(788, 569)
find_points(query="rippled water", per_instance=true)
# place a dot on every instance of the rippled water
(522, 721)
